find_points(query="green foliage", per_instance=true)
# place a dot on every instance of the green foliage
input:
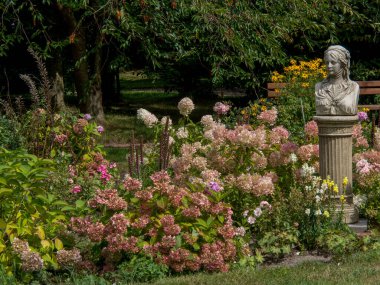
(338, 242)
(277, 244)
(140, 269)
(9, 137)
(28, 212)
(6, 279)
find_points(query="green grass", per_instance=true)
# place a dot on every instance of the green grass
(359, 268)
(137, 80)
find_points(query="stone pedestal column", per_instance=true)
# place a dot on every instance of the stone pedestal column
(335, 157)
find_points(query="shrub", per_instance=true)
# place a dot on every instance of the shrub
(30, 217)
(367, 184)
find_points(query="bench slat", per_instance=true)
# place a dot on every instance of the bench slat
(370, 107)
(369, 91)
(365, 84)
(275, 85)
(366, 88)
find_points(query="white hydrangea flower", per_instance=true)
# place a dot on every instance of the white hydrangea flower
(147, 117)
(185, 106)
(251, 220)
(359, 200)
(182, 133)
(307, 171)
(293, 157)
(307, 212)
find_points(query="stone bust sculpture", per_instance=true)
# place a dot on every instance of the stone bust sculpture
(337, 95)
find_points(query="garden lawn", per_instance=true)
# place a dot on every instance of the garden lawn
(360, 268)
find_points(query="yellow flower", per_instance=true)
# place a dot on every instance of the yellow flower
(345, 181)
(305, 84)
(342, 198)
(263, 108)
(326, 214)
(336, 189)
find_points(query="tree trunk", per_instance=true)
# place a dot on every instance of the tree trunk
(59, 91)
(94, 102)
(78, 42)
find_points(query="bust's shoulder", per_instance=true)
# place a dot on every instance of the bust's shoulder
(318, 86)
(354, 86)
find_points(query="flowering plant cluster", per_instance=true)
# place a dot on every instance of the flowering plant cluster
(181, 227)
(245, 162)
(60, 136)
(367, 183)
(295, 102)
(256, 164)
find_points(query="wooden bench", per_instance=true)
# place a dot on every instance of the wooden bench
(366, 88)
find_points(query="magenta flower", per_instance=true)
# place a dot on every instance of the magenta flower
(100, 129)
(362, 116)
(214, 186)
(87, 117)
(76, 189)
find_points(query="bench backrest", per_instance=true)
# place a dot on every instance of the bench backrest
(366, 88)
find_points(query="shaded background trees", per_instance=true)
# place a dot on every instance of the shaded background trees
(194, 45)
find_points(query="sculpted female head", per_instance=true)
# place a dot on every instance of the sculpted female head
(337, 60)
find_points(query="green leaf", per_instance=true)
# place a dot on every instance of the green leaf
(196, 246)
(220, 218)
(58, 244)
(68, 208)
(3, 180)
(40, 232)
(45, 243)
(80, 204)
(5, 191)
(178, 240)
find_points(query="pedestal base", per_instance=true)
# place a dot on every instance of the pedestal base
(335, 157)
(350, 214)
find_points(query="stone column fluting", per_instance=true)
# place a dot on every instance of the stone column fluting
(335, 157)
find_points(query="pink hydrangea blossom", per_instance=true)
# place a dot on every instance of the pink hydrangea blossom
(221, 109)
(268, 116)
(61, 138)
(110, 198)
(311, 129)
